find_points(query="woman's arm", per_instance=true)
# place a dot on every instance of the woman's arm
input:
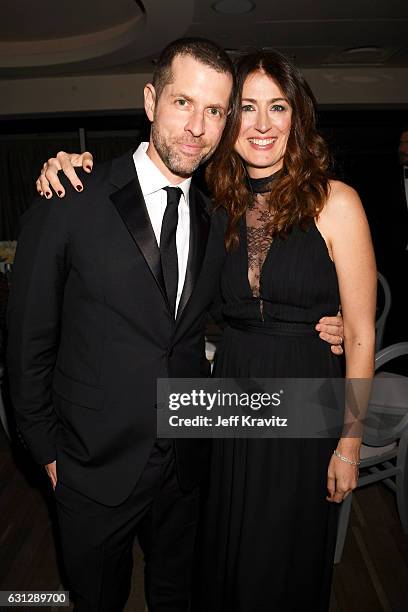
(345, 227)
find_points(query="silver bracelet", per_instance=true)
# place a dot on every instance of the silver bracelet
(345, 459)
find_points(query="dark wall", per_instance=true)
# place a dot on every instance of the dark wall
(27, 143)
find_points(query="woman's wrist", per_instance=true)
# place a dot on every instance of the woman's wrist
(354, 460)
(350, 444)
(349, 448)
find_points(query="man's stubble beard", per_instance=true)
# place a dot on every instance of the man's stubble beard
(172, 160)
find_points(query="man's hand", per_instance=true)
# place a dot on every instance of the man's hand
(65, 162)
(332, 331)
(51, 469)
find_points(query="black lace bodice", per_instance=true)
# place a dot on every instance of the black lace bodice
(259, 239)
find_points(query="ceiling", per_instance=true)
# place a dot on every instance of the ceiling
(57, 37)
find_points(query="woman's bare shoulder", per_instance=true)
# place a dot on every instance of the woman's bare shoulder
(341, 192)
(342, 200)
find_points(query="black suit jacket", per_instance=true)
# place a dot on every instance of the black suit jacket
(90, 331)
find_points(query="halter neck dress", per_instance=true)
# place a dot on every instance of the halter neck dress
(268, 536)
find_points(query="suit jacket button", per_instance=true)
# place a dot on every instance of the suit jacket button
(169, 352)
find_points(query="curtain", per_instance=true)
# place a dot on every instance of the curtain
(21, 162)
(23, 156)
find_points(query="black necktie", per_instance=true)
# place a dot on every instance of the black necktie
(168, 249)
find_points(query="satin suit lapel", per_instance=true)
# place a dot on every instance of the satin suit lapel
(130, 204)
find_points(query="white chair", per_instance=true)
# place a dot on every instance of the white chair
(384, 452)
(382, 318)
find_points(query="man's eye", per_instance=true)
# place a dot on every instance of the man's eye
(181, 102)
(215, 112)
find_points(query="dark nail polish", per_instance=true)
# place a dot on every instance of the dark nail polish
(59, 193)
(79, 187)
(88, 168)
(48, 194)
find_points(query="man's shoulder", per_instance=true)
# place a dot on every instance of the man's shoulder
(218, 214)
(201, 196)
(97, 179)
(76, 208)
(106, 175)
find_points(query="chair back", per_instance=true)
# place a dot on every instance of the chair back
(387, 412)
(385, 301)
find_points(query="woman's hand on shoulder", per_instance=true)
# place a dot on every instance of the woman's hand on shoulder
(48, 179)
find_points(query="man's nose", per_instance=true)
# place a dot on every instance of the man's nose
(196, 124)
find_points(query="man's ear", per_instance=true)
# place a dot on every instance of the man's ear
(149, 100)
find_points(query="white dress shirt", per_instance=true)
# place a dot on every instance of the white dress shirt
(152, 182)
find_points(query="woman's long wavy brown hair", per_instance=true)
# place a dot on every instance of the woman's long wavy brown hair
(300, 191)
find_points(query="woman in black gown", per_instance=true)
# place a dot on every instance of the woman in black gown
(298, 245)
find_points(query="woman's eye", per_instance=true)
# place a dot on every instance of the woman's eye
(278, 107)
(247, 107)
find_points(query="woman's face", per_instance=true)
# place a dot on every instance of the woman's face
(265, 125)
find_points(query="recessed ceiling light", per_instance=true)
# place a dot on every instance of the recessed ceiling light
(362, 50)
(233, 7)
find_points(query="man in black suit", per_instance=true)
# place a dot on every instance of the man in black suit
(110, 290)
(97, 313)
